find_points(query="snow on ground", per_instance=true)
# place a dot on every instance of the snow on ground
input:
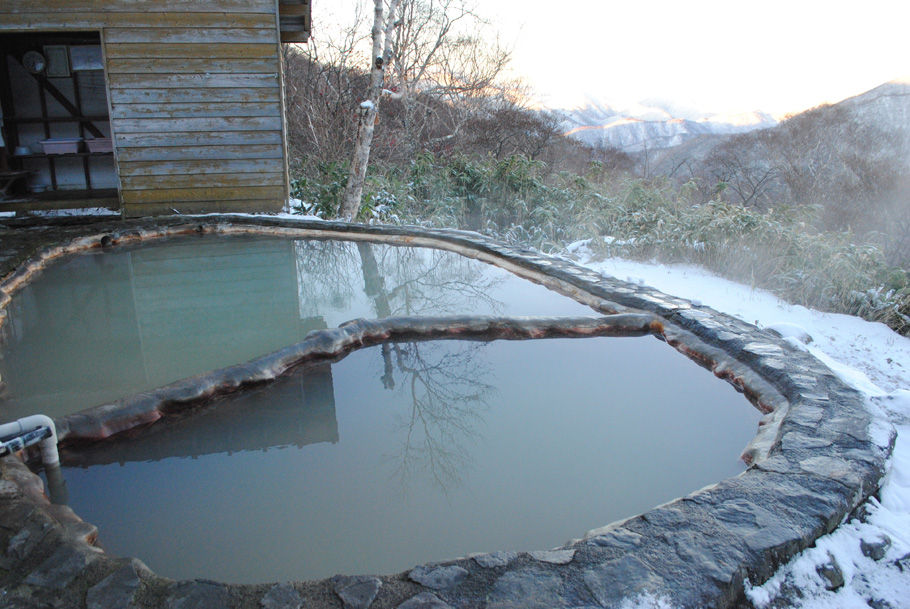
(82, 211)
(50, 213)
(868, 356)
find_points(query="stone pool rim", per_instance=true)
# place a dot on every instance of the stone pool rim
(813, 462)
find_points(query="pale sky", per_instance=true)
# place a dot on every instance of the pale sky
(723, 56)
(777, 56)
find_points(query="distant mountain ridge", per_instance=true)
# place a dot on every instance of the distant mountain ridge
(849, 160)
(885, 108)
(647, 127)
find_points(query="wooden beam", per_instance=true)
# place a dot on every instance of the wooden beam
(68, 105)
(189, 181)
(294, 20)
(6, 104)
(288, 36)
(203, 207)
(194, 109)
(195, 95)
(52, 21)
(293, 10)
(191, 65)
(46, 85)
(184, 81)
(206, 125)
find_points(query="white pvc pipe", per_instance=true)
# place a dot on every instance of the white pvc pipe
(49, 454)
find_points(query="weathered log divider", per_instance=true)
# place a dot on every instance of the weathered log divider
(332, 344)
(814, 460)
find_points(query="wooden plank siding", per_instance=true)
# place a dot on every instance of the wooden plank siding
(195, 96)
(219, 95)
(189, 65)
(140, 6)
(88, 20)
(142, 50)
(191, 110)
(222, 138)
(202, 167)
(295, 20)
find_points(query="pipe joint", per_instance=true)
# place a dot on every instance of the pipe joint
(35, 429)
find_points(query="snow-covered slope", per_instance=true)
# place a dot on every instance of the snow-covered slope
(886, 107)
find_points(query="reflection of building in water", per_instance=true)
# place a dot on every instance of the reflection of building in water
(294, 411)
(225, 283)
(105, 325)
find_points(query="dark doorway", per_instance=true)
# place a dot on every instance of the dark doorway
(55, 117)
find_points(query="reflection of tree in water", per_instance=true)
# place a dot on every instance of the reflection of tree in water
(412, 281)
(420, 280)
(447, 397)
(444, 385)
(326, 276)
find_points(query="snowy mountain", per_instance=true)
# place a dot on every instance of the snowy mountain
(651, 126)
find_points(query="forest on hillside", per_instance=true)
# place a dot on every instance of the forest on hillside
(815, 209)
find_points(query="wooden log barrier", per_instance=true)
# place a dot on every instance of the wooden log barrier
(101, 422)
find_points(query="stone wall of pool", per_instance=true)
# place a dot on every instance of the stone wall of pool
(813, 462)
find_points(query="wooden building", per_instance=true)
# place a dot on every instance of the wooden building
(190, 93)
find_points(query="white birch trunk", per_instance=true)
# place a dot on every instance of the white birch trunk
(369, 109)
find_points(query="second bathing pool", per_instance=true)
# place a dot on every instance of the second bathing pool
(458, 447)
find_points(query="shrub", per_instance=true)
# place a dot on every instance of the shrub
(321, 193)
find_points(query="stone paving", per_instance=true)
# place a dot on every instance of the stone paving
(812, 463)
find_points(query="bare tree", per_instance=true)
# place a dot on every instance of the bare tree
(746, 171)
(383, 26)
(503, 125)
(442, 68)
(439, 79)
(439, 70)
(322, 85)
